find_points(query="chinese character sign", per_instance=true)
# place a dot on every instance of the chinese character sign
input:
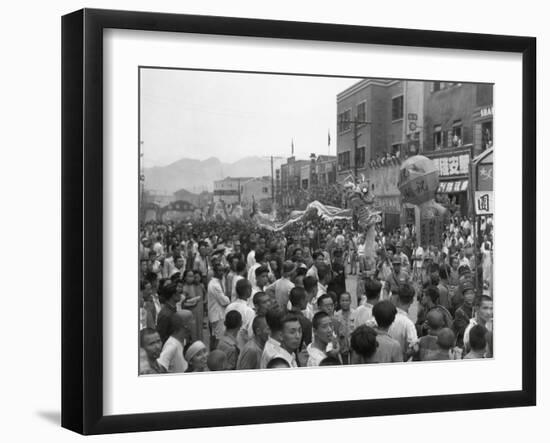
(453, 165)
(484, 202)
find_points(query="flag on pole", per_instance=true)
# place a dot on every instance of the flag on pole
(292, 146)
(329, 137)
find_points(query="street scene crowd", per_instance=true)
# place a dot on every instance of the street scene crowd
(230, 295)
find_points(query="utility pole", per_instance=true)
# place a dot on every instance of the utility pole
(273, 157)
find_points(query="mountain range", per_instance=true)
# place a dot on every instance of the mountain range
(199, 175)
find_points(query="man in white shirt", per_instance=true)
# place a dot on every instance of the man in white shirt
(244, 290)
(251, 257)
(171, 356)
(202, 261)
(363, 314)
(324, 341)
(259, 260)
(484, 317)
(217, 302)
(158, 248)
(311, 285)
(402, 328)
(284, 339)
(280, 289)
(240, 271)
(319, 259)
(325, 276)
(262, 277)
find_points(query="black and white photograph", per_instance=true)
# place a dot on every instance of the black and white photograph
(289, 220)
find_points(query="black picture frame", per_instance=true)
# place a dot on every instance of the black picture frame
(82, 218)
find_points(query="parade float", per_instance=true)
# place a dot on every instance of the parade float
(418, 182)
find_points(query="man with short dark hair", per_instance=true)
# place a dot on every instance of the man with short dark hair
(430, 301)
(311, 288)
(291, 339)
(388, 349)
(323, 336)
(445, 342)
(363, 344)
(434, 323)
(164, 319)
(262, 278)
(273, 318)
(261, 260)
(402, 328)
(298, 305)
(325, 303)
(279, 290)
(251, 354)
(217, 302)
(478, 342)
(238, 274)
(464, 313)
(363, 314)
(284, 339)
(150, 342)
(241, 305)
(483, 317)
(171, 356)
(318, 260)
(325, 276)
(228, 341)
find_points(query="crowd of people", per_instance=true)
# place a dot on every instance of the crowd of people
(229, 295)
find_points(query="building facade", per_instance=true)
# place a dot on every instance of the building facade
(458, 127)
(243, 190)
(228, 189)
(299, 182)
(380, 122)
(289, 182)
(256, 190)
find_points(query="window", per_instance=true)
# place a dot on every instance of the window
(305, 183)
(437, 138)
(486, 135)
(343, 161)
(456, 133)
(344, 121)
(265, 190)
(362, 112)
(395, 148)
(397, 108)
(436, 86)
(360, 157)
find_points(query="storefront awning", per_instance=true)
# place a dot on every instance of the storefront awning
(447, 187)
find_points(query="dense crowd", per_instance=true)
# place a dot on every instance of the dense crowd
(225, 295)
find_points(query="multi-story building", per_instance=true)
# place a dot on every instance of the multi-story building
(228, 189)
(458, 127)
(289, 182)
(242, 190)
(256, 190)
(301, 181)
(377, 118)
(382, 121)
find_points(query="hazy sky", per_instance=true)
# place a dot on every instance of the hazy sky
(198, 114)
